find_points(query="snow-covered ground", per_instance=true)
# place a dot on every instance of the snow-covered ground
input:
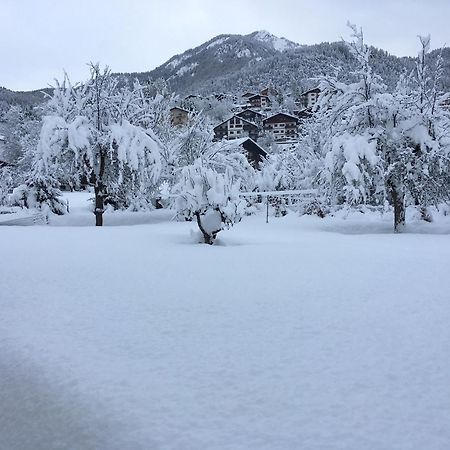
(297, 334)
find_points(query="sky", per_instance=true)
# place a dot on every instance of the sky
(40, 39)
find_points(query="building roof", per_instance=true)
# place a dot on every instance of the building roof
(259, 95)
(179, 109)
(246, 142)
(248, 94)
(281, 114)
(240, 118)
(316, 89)
(251, 110)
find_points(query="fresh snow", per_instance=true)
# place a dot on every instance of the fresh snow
(300, 333)
(177, 61)
(216, 42)
(185, 69)
(245, 53)
(279, 44)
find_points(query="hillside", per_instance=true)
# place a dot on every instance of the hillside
(233, 63)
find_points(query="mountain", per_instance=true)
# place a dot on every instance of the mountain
(218, 58)
(233, 63)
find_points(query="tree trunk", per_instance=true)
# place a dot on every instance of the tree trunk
(99, 205)
(209, 238)
(398, 200)
(100, 193)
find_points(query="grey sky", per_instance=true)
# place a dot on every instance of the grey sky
(40, 38)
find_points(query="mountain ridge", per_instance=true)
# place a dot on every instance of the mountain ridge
(234, 62)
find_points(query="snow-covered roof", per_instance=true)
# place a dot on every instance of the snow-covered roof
(179, 109)
(240, 141)
(2, 138)
(316, 89)
(235, 115)
(281, 114)
(258, 95)
(251, 110)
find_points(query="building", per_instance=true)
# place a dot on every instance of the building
(179, 116)
(303, 114)
(248, 95)
(252, 116)
(254, 152)
(259, 101)
(309, 98)
(269, 91)
(234, 128)
(282, 126)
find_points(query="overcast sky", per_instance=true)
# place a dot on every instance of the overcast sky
(40, 38)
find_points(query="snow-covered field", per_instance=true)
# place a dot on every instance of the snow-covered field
(297, 334)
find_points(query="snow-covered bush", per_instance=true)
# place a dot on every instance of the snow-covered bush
(6, 184)
(210, 197)
(40, 191)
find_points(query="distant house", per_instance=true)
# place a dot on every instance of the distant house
(252, 116)
(179, 116)
(269, 91)
(282, 126)
(259, 101)
(309, 98)
(234, 128)
(303, 114)
(254, 152)
(446, 103)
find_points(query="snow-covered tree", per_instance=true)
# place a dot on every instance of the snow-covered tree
(379, 146)
(210, 197)
(6, 184)
(102, 130)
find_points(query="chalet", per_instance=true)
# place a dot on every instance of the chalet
(259, 101)
(309, 98)
(282, 126)
(303, 114)
(254, 152)
(446, 103)
(269, 91)
(234, 128)
(248, 95)
(252, 116)
(179, 116)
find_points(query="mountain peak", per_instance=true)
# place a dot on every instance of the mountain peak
(277, 43)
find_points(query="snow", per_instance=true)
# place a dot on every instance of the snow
(245, 53)
(279, 44)
(216, 42)
(300, 333)
(177, 61)
(185, 69)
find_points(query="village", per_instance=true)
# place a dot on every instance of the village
(253, 117)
